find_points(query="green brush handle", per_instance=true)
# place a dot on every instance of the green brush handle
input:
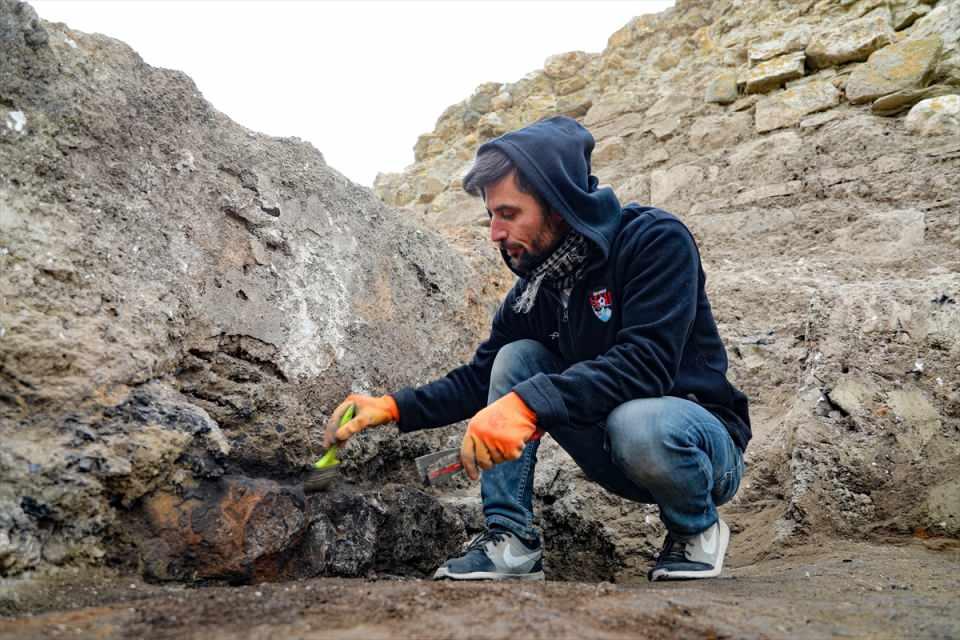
(330, 459)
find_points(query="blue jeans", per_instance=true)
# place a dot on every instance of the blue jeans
(665, 451)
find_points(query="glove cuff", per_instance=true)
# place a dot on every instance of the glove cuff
(517, 404)
(391, 406)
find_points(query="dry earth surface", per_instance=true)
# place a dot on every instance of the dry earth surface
(836, 589)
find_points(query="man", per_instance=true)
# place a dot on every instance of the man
(606, 342)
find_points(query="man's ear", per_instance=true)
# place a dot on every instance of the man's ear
(558, 221)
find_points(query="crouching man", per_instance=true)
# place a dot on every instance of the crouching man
(606, 342)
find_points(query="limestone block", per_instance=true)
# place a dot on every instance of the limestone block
(919, 419)
(428, 187)
(905, 65)
(491, 125)
(935, 117)
(895, 103)
(665, 128)
(570, 85)
(853, 395)
(788, 107)
(715, 132)
(773, 73)
(851, 41)
(609, 106)
(671, 104)
(536, 107)
(904, 17)
(564, 65)
(609, 150)
(795, 39)
(666, 183)
(501, 101)
(722, 89)
(575, 105)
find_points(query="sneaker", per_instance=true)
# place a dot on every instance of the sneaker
(495, 555)
(699, 556)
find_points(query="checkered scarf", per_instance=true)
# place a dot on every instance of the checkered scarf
(562, 269)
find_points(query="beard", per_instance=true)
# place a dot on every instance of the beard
(550, 236)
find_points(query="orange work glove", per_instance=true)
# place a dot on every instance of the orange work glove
(497, 434)
(368, 412)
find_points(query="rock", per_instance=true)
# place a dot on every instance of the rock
(896, 103)
(943, 508)
(670, 105)
(788, 107)
(428, 187)
(234, 528)
(943, 21)
(564, 65)
(491, 125)
(935, 117)
(853, 395)
(501, 101)
(906, 16)
(570, 85)
(795, 39)
(902, 66)
(819, 119)
(609, 150)
(722, 89)
(715, 132)
(774, 73)
(851, 41)
(608, 107)
(887, 235)
(666, 183)
(919, 419)
(665, 128)
(398, 530)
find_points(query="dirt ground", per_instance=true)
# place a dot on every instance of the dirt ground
(833, 589)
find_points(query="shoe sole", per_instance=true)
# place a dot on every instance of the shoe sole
(442, 573)
(664, 574)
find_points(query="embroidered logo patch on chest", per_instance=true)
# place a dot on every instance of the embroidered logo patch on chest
(601, 301)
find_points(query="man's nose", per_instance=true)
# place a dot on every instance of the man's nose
(498, 230)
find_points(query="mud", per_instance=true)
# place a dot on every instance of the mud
(906, 588)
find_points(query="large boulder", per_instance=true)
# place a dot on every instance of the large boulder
(183, 298)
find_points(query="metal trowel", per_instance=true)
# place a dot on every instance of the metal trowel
(440, 467)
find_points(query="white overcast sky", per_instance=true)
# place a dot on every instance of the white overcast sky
(360, 80)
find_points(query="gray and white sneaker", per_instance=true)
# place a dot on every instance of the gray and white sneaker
(699, 556)
(495, 555)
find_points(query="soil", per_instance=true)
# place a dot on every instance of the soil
(905, 588)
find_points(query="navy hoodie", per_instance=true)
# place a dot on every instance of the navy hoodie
(637, 325)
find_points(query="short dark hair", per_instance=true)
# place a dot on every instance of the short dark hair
(492, 166)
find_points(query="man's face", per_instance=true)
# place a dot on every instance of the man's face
(524, 231)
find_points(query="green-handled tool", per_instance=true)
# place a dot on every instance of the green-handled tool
(325, 469)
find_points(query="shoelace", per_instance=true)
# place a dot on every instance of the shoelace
(481, 540)
(674, 549)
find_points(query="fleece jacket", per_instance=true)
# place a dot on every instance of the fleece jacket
(638, 324)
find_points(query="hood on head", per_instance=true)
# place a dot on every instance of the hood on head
(554, 155)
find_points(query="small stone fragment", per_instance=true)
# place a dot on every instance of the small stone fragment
(609, 150)
(900, 101)
(722, 89)
(795, 39)
(935, 117)
(774, 73)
